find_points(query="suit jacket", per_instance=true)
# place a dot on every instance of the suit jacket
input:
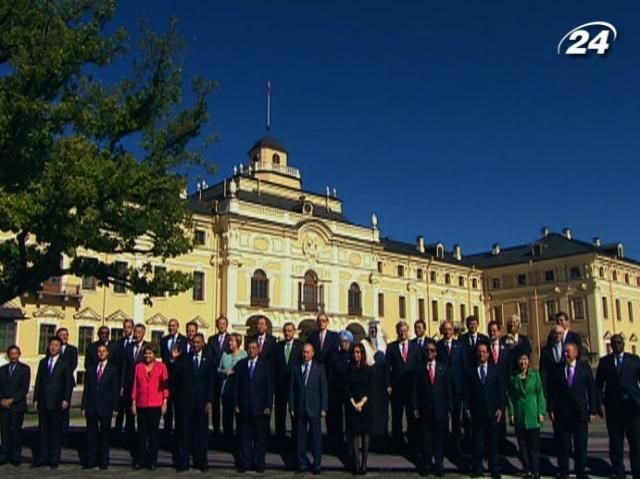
(526, 402)
(470, 352)
(310, 399)
(613, 387)
(91, 354)
(483, 400)
(190, 388)
(548, 364)
(15, 386)
(399, 375)
(101, 397)
(522, 346)
(432, 400)
(572, 337)
(503, 365)
(425, 341)
(165, 353)
(331, 344)
(575, 402)
(253, 395)
(282, 370)
(70, 357)
(456, 364)
(119, 354)
(266, 352)
(129, 366)
(51, 390)
(213, 347)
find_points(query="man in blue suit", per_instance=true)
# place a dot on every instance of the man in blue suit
(308, 399)
(484, 402)
(254, 400)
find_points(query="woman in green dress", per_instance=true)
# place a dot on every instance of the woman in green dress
(526, 408)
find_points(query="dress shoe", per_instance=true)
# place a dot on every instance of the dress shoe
(136, 466)
(496, 475)
(316, 471)
(53, 467)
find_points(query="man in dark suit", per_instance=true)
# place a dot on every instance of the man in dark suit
(266, 341)
(484, 402)
(618, 383)
(51, 397)
(500, 357)
(118, 357)
(572, 404)
(216, 346)
(551, 356)
(287, 354)
(308, 400)
(167, 342)
(451, 353)
(515, 343)
(191, 329)
(69, 355)
(193, 379)
(254, 400)
(568, 336)
(472, 338)
(420, 330)
(133, 355)
(432, 401)
(99, 404)
(91, 354)
(400, 361)
(14, 386)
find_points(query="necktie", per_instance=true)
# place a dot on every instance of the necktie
(135, 350)
(252, 366)
(420, 342)
(449, 347)
(261, 341)
(432, 374)
(220, 341)
(100, 371)
(404, 352)
(196, 362)
(473, 340)
(496, 353)
(483, 374)
(305, 373)
(619, 364)
(12, 368)
(557, 354)
(50, 366)
(287, 352)
(570, 373)
(322, 334)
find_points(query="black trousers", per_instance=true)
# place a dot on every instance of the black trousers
(335, 421)
(399, 407)
(11, 431)
(253, 440)
(455, 435)
(168, 418)
(529, 449)
(280, 406)
(433, 432)
(148, 429)
(228, 416)
(622, 421)
(308, 431)
(566, 433)
(484, 430)
(192, 438)
(217, 400)
(50, 429)
(98, 440)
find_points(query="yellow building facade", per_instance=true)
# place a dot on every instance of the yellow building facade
(265, 246)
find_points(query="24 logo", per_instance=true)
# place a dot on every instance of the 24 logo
(580, 40)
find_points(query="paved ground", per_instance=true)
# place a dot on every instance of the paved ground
(221, 463)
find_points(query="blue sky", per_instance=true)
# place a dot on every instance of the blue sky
(456, 120)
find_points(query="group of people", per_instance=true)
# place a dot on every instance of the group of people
(442, 391)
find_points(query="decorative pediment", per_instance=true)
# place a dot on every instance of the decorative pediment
(118, 316)
(199, 320)
(633, 338)
(87, 314)
(158, 319)
(48, 312)
(12, 310)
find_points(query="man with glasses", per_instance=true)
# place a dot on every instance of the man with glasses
(551, 356)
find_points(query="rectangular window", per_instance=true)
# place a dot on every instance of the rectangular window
(495, 283)
(474, 283)
(523, 312)
(400, 271)
(85, 336)
(200, 237)
(198, 286)
(421, 309)
(605, 307)
(461, 281)
(549, 275)
(448, 312)
(497, 313)
(630, 307)
(116, 334)
(381, 305)
(402, 306)
(551, 309)
(618, 310)
(156, 336)
(463, 312)
(47, 331)
(522, 280)
(575, 272)
(89, 283)
(476, 312)
(419, 273)
(578, 308)
(119, 286)
(434, 311)
(7, 334)
(433, 276)
(380, 267)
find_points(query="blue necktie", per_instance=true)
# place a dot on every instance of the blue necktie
(252, 366)
(483, 375)
(619, 364)
(195, 362)
(50, 366)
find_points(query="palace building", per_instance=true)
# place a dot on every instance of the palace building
(266, 246)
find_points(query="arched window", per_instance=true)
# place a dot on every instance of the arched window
(601, 272)
(259, 289)
(309, 293)
(449, 312)
(615, 276)
(355, 300)
(626, 278)
(447, 278)
(275, 159)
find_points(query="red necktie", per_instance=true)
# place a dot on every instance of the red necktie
(404, 352)
(261, 343)
(432, 374)
(100, 371)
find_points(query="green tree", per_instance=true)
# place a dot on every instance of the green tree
(87, 164)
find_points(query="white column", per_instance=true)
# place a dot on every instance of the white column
(232, 291)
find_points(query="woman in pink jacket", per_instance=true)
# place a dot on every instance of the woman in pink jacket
(149, 401)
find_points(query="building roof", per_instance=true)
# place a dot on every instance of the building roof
(551, 246)
(268, 142)
(411, 249)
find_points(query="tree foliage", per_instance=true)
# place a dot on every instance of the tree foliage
(87, 164)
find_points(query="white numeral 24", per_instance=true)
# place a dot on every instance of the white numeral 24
(599, 43)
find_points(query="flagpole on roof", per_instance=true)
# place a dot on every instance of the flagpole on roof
(268, 107)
